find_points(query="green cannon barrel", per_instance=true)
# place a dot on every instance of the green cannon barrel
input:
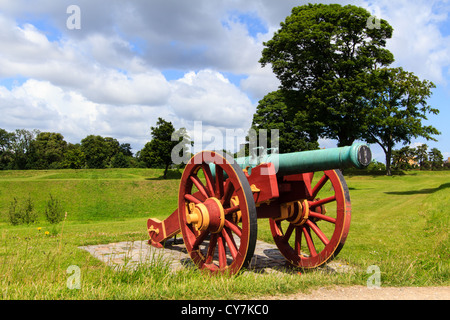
(358, 156)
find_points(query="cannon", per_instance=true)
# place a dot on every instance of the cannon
(303, 195)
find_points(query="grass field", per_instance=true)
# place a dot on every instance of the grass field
(399, 223)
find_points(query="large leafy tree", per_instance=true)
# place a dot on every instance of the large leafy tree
(277, 111)
(99, 151)
(48, 150)
(398, 104)
(324, 53)
(74, 158)
(21, 148)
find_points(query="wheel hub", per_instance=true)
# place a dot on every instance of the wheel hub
(296, 212)
(208, 215)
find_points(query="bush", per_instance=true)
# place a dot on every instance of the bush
(375, 166)
(54, 211)
(24, 214)
(13, 213)
(29, 216)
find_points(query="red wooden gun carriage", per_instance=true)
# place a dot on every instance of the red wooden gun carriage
(303, 194)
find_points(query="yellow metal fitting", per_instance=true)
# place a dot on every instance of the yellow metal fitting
(152, 229)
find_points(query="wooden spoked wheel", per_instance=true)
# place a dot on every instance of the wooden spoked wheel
(322, 232)
(217, 213)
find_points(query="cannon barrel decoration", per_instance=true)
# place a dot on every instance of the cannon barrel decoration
(303, 194)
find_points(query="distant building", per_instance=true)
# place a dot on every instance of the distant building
(413, 162)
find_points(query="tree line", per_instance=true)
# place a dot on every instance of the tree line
(407, 158)
(31, 149)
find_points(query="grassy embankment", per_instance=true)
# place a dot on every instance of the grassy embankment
(400, 224)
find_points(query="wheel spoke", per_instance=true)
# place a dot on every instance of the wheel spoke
(232, 209)
(228, 192)
(211, 248)
(200, 239)
(235, 228)
(208, 178)
(313, 214)
(199, 186)
(219, 182)
(191, 198)
(298, 240)
(318, 232)
(319, 185)
(230, 243)
(309, 242)
(222, 253)
(288, 233)
(322, 201)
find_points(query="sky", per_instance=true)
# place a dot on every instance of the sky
(111, 68)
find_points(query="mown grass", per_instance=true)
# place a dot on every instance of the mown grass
(400, 224)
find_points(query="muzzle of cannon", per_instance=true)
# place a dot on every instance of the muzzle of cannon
(303, 195)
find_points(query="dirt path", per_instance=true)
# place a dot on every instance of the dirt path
(364, 293)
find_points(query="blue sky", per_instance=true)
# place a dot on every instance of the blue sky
(184, 61)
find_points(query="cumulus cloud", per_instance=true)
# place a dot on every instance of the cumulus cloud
(41, 105)
(418, 43)
(209, 97)
(44, 106)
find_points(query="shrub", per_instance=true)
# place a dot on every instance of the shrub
(375, 166)
(22, 214)
(54, 211)
(13, 213)
(28, 214)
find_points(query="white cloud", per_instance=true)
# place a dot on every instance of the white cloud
(94, 67)
(114, 87)
(44, 106)
(209, 97)
(418, 44)
(41, 105)
(257, 85)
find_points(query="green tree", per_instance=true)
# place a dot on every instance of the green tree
(398, 104)
(325, 53)
(277, 110)
(421, 155)
(125, 149)
(21, 148)
(96, 151)
(181, 153)
(6, 156)
(113, 148)
(120, 161)
(48, 150)
(73, 157)
(402, 158)
(158, 152)
(436, 159)
(5, 140)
